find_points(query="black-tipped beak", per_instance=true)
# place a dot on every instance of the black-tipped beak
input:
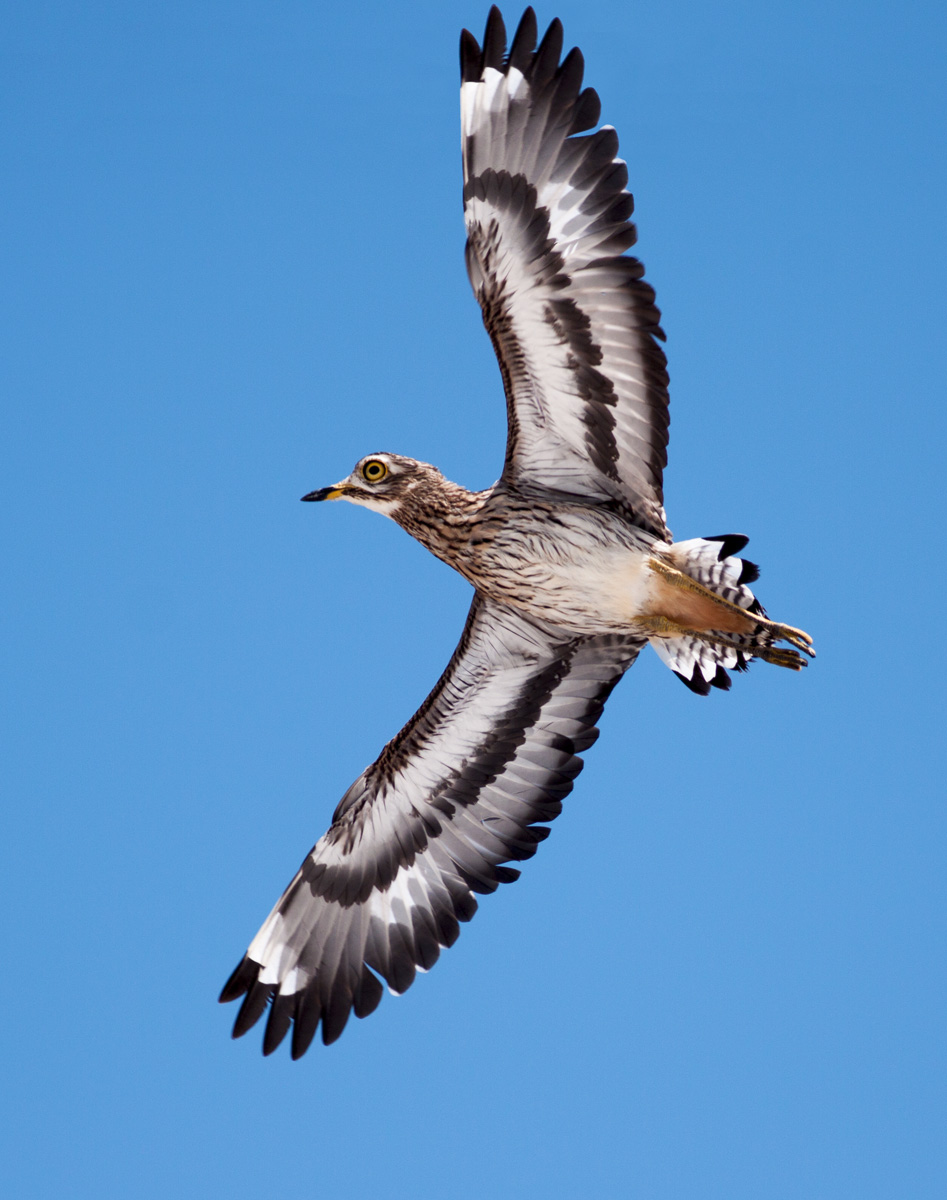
(329, 493)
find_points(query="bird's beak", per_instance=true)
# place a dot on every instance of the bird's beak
(329, 493)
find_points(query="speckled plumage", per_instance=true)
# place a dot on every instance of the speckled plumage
(572, 563)
(549, 555)
(551, 558)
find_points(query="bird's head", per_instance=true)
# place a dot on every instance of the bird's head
(382, 482)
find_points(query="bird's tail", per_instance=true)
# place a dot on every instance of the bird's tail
(717, 625)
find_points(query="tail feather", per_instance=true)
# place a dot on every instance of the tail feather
(713, 562)
(701, 661)
(699, 664)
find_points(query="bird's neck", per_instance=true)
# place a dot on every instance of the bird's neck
(441, 518)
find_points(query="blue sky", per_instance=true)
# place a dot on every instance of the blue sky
(233, 265)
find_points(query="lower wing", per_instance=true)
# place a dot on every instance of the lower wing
(465, 787)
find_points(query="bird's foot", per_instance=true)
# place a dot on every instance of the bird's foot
(787, 633)
(782, 657)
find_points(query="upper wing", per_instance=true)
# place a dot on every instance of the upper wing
(457, 793)
(571, 320)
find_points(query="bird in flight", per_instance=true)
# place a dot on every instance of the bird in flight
(573, 565)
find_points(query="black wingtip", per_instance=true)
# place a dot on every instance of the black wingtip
(242, 979)
(278, 1022)
(305, 1023)
(546, 59)
(253, 1007)
(507, 874)
(336, 1016)
(571, 71)
(368, 994)
(494, 41)
(470, 57)
(588, 109)
(524, 42)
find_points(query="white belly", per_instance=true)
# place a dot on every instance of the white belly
(595, 589)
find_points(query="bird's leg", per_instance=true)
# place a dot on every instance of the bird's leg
(685, 606)
(663, 628)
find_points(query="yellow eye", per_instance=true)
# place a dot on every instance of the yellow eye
(374, 470)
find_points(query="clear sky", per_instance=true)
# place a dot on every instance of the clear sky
(232, 265)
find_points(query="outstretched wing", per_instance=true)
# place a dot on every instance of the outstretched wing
(571, 320)
(491, 752)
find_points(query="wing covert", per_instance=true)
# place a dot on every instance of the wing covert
(463, 789)
(573, 323)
